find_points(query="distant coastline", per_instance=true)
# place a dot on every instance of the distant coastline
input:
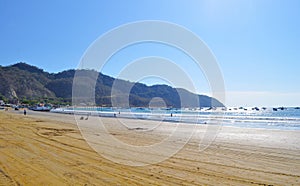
(26, 84)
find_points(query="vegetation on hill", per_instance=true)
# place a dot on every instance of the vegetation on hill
(29, 84)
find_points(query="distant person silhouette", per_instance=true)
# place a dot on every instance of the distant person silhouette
(25, 112)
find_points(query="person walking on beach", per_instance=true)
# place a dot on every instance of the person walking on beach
(25, 112)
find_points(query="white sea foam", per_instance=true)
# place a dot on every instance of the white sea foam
(288, 118)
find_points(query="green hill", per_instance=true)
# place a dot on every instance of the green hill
(25, 82)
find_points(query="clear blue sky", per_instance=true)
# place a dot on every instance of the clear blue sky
(256, 43)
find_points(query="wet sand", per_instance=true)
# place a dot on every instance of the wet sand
(48, 149)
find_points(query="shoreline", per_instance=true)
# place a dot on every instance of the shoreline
(71, 119)
(47, 148)
(199, 118)
(241, 133)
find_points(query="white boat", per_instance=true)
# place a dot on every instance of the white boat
(41, 108)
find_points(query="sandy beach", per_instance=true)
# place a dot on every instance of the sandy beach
(49, 149)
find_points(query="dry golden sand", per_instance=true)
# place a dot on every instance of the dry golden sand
(48, 149)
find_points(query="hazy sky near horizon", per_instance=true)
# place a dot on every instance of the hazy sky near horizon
(256, 43)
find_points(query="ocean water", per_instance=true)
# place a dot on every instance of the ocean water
(284, 119)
